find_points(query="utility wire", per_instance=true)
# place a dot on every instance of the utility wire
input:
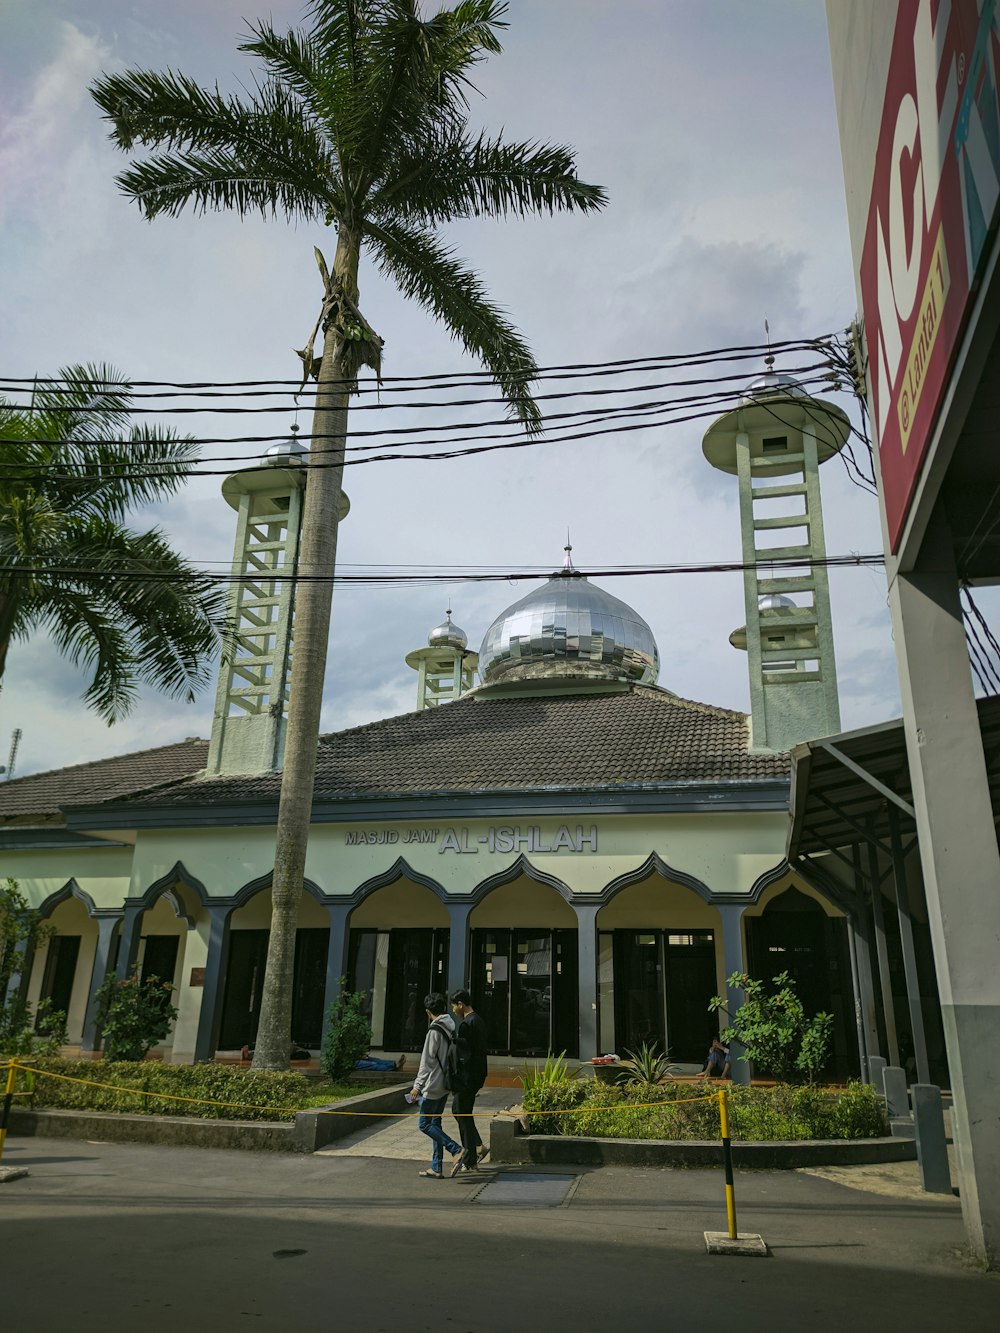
(268, 576)
(745, 352)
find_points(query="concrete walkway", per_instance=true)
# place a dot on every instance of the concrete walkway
(400, 1139)
(118, 1236)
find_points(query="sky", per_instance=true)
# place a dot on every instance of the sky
(712, 127)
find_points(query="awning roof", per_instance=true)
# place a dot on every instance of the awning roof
(832, 804)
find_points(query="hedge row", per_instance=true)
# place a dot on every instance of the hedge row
(757, 1115)
(255, 1095)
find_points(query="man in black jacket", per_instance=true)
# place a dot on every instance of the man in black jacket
(471, 1039)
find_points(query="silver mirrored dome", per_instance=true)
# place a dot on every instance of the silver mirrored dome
(447, 635)
(773, 383)
(287, 451)
(776, 601)
(568, 627)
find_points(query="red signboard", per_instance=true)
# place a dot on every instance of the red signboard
(934, 198)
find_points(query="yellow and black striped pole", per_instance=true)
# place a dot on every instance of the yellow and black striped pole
(8, 1097)
(727, 1157)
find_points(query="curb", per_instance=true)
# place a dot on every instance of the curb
(509, 1146)
(307, 1132)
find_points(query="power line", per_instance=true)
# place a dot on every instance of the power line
(747, 351)
(455, 575)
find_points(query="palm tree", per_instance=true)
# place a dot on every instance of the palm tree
(121, 603)
(360, 123)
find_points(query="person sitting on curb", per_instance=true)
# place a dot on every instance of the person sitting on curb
(429, 1085)
(717, 1061)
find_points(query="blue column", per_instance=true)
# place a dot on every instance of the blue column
(586, 916)
(128, 950)
(732, 961)
(336, 957)
(458, 944)
(210, 1017)
(107, 925)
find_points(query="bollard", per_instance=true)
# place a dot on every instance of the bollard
(932, 1144)
(727, 1159)
(731, 1242)
(876, 1066)
(897, 1103)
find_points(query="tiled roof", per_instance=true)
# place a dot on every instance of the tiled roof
(42, 794)
(644, 736)
(585, 741)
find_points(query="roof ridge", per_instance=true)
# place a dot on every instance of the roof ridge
(108, 759)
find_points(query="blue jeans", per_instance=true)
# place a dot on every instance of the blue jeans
(430, 1124)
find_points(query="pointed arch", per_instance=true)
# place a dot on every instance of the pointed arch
(518, 867)
(178, 874)
(263, 882)
(70, 890)
(400, 869)
(654, 864)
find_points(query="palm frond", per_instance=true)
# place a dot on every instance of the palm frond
(130, 608)
(83, 632)
(431, 273)
(267, 156)
(455, 177)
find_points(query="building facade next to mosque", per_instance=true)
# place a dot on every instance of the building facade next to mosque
(590, 853)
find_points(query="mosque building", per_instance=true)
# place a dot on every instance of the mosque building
(589, 852)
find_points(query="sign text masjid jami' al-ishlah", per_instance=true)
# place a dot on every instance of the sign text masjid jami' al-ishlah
(502, 838)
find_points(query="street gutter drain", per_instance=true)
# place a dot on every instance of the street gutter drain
(527, 1190)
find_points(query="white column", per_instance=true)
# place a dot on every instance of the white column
(961, 864)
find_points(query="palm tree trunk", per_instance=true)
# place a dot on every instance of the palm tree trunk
(318, 558)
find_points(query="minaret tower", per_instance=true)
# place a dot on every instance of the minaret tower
(445, 668)
(773, 443)
(248, 728)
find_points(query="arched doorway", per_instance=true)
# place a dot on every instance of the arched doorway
(659, 950)
(524, 969)
(791, 930)
(61, 968)
(397, 953)
(250, 928)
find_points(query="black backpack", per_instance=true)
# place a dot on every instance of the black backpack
(451, 1065)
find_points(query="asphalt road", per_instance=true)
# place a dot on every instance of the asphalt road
(120, 1237)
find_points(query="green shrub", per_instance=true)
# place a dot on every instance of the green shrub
(552, 1095)
(348, 1034)
(249, 1094)
(554, 1070)
(858, 1113)
(687, 1111)
(771, 1026)
(134, 1015)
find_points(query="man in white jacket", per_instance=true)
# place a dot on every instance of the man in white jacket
(429, 1083)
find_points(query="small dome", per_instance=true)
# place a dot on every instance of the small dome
(776, 601)
(447, 635)
(773, 384)
(569, 628)
(287, 451)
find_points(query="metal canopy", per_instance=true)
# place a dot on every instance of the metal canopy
(843, 787)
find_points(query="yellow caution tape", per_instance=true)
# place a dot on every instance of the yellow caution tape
(284, 1110)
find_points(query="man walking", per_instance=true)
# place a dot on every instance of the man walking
(472, 1072)
(429, 1084)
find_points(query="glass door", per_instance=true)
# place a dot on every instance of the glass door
(491, 986)
(309, 988)
(639, 995)
(691, 983)
(244, 987)
(531, 993)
